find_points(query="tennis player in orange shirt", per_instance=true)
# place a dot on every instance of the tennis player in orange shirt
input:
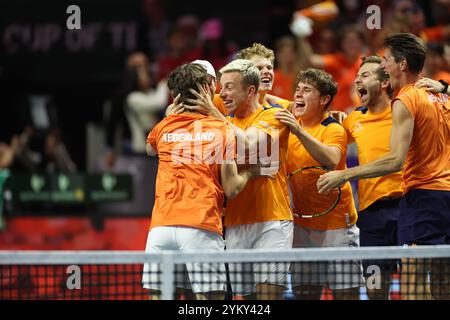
(420, 143)
(317, 139)
(263, 58)
(213, 83)
(196, 170)
(260, 216)
(369, 126)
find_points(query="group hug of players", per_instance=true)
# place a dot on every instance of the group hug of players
(402, 135)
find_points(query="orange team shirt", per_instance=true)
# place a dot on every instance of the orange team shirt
(283, 103)
(372, 133)
(188, 191)
(262, 199)
(427, 164)
(283, 87)
(344, 74)
(331, 133)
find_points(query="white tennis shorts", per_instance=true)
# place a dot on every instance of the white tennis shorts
(271, 235)
(337, 274)
(200, 277)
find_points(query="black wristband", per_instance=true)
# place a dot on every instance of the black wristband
(445, 84)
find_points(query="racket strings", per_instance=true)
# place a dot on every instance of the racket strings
(306, 199)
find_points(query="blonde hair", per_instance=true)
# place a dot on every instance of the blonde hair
(257, 49)
(249, 73)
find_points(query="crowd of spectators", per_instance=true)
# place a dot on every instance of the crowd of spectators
(337, 39)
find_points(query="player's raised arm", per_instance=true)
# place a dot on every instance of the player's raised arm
(401, 135)
(314, 93)
(433, 86)
(327, 156)
(233, 181)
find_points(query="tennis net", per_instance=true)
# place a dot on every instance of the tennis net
(318, 273)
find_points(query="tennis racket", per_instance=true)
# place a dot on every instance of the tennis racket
(306, 202)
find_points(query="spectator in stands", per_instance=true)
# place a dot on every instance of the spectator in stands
(140, 101)
(39, 146)
(190, 26)
(143, 107)
(417, 25)
(408, 16)
(7, 153)
(47, 153)
(286, 66)
(342, 65)
(154, 27)
(396, 21)
(57, 155)
(178, 53)
(350, 12)
(29, 154)
(214, 45)
(440, 11)
(326, 42)
(446, 56)
(435, 65)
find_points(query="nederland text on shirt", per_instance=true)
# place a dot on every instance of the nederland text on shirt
(181, 137)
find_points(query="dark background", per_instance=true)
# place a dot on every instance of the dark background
(81, 79)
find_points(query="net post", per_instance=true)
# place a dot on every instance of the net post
(167, 276)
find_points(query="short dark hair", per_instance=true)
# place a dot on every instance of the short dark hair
(407, 46)
(321, 80)
(186, 77)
